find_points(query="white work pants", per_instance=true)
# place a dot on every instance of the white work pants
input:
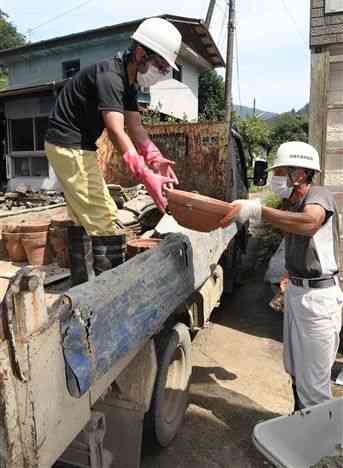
(312, 323)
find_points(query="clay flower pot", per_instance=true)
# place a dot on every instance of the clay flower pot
(14, 247)
(27, 227)
(135, 246)
(36, 247)
(198, 212)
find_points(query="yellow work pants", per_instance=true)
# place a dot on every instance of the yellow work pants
(88, 199)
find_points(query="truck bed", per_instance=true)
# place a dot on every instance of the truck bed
(53, 334)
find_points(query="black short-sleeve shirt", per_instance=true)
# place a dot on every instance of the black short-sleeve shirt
(76, 120)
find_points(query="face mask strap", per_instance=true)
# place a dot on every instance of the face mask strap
(290, 173)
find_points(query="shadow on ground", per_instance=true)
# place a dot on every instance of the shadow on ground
(216, 433)
(250, 311)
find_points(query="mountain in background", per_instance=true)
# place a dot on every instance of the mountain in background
(304, 110)
(244, 111)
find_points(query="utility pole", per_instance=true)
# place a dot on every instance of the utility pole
(210, 13)
(229, 60)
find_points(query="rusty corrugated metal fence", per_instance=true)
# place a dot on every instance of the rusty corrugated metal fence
(200, 151)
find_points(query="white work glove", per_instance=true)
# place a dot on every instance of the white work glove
(249, 209)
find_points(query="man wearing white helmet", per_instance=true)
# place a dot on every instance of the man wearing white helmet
(104, 95)
(313, 302)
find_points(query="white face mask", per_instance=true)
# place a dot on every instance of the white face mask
(150, 77)
(278, 185)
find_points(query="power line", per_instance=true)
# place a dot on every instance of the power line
(80, 5)
(222, 34)
(289, 13)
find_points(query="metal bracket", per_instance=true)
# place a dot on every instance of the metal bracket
(87, 451)
(25, 281)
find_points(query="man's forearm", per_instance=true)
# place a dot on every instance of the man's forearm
(139, 135)
(122, 140)
(296, 223)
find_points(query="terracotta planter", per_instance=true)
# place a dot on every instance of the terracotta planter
(14, 247)
(198, 212)
(61, 221)
(27, 227)
(136, 246)
(37, 248)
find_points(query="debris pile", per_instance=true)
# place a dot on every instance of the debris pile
(29, 199)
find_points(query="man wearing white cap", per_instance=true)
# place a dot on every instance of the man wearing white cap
(104, 95)
(313, 302)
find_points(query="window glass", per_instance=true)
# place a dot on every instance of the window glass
(41, 128)
(21, 167)
(333, 6)
(22, 135)
(39, 167)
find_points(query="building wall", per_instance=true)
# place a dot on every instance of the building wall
(334, 131)
(175, 98)
(325, 28)
(170, 97)
(46, 65)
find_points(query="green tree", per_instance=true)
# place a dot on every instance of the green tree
(255, 132)
(211, 96)
(9, 37)
(289, 126)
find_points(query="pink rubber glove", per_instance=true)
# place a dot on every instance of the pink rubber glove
(158, 163)
(153, 182)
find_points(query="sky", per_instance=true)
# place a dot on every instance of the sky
(272, 57)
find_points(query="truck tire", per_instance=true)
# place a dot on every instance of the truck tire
(170, 395)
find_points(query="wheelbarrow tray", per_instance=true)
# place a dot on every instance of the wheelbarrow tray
(304, 438)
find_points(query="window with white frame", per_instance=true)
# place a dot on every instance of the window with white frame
(26, 147)
(333, 6)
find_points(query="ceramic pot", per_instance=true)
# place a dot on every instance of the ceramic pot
(37, 248)
(14, 247)
(27, 227)
(198, 212)
(136, 246)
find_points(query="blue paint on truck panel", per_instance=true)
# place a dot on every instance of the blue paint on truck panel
(119, 310)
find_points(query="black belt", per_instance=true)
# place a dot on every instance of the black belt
(313, 283)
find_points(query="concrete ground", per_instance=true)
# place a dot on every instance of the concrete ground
(238, 380)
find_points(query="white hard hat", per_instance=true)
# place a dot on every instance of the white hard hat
(160, 36)
(297, 154)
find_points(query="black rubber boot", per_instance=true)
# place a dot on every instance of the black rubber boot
(108, 252)
(81, 255)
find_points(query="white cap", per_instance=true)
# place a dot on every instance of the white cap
(160, 36)
(297, 154)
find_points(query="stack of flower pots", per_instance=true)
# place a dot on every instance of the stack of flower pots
(28, 242)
